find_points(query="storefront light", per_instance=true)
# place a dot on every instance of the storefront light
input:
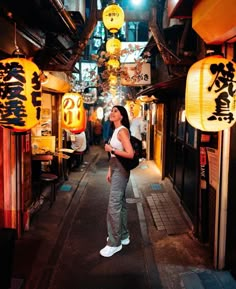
(73, 112)
(211, 94)
(20, 94)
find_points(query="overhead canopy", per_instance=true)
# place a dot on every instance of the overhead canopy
(219, 18)
(161, 89)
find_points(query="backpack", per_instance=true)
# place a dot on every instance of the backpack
(130, 164)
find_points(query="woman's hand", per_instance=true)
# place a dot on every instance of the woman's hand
(108, 148)
(109, 175)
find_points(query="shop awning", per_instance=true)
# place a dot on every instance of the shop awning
(161, 90)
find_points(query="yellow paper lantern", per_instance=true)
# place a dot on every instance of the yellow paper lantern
(113, 80)
(113, 91)
(113, 63)
(73, 112)
(113, 17)
(113, 46)
(20, 94)
(99, 112)
(210, 94)
(133, 108)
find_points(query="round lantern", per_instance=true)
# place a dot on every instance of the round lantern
(113, 17)
(210, 94)
(100, 113)
(113, 46)
(73, 112)
(113, 91)
(113, 63)
(113, 80)
(132, 108)
(20, 94)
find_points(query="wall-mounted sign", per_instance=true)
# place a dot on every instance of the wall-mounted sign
(137, 75)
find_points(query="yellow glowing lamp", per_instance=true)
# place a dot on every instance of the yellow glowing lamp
(113, 17)
(210, 94)
(100, 113)
(73, 112)
(113, 80)
(113, 46)
(132, 108)
(113, 63)
(113, 91)
(20, 94)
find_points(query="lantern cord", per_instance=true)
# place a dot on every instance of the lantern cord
(17, 52)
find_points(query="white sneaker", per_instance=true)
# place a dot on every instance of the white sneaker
(109, 251)
(124, 241)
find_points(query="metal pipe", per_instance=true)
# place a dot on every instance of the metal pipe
(64, 15)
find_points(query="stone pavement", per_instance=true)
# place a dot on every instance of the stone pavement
(182, 262)
(172, 254)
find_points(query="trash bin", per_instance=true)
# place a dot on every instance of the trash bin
(7, 246)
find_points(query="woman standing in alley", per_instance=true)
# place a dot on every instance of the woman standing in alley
(118, 177)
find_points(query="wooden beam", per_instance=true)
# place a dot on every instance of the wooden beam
(168, 56)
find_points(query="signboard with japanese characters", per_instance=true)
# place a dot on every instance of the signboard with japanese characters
(137, 75)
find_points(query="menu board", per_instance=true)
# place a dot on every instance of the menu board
(43, 144)
(213, 160)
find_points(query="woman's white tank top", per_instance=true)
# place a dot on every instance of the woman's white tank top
(115, 143)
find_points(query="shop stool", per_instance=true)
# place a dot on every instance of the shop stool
(52, 179)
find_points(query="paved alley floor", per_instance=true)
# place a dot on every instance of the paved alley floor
(61, 248)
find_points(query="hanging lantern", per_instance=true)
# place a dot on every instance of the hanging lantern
(73, 112)
(113, 63)
(99, 112)
(113, 17)
(211, 94)
(113, 91)
(20, 94)
(113, 46)
(133, 108)
(113, 80)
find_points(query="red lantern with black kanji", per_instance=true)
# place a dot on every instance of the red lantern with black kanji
(210, 101)
(20, 94)
(73, 112)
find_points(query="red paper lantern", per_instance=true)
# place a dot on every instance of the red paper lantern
(211, 94)
(20, 94)
(73, 112)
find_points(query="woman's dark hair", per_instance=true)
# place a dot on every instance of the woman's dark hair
(125, 118)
